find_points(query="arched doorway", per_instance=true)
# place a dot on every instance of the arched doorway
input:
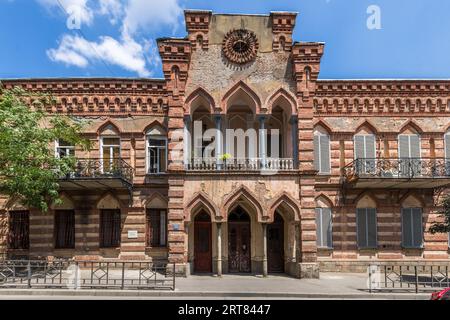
(202, 243)
(239, 257)
(275, 244)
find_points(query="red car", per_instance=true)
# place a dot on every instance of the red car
(441, 295)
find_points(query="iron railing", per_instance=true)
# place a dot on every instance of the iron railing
(397, 168)
(101, 168)
(417, 277)
(240, 164)
(68, 274)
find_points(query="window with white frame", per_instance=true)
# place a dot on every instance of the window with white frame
(324, 227)
(64, 148)
(366, 225)
(322, 152)
(365, 152)
(412, 228)
(110, 153)
(156, 151)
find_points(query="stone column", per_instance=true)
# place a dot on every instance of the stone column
(297, 249)
(219, 143)
(219, 249)
(294, 137)
(265, 269)
(262, 134)
(187, 141)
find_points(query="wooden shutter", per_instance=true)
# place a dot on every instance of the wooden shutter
(359, 141)
(316, 152)
(414, 145)
(403, 146)
(361, 223)
(371, 228)
(417, 227)
(324, 154)
(324, 227)
(319, 227)
(366, 221)
(370, 146)
(407, 234)
(447, 146)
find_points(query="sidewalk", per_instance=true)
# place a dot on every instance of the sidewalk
(329, 286)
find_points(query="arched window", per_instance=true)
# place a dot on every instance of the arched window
(324, 219)
(64, 148)
(322, 151)
(412, 223)
(156, 150)
(409, 153)
(366, 223)
(365, 152)
(110, 148)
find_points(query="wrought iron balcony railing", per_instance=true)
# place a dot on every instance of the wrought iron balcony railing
(403, 168)
(101, 168)
(241, 164)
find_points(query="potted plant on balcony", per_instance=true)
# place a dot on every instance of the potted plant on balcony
(224, 158)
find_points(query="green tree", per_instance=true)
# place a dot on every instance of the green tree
(29, 169)
(443, 227)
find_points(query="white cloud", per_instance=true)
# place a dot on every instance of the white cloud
(145, 15)
(135, 20)
(75, 9)
(77, 51)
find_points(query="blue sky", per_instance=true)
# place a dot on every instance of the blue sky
(117, 37)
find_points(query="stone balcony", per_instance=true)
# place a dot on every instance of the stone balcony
(241, 164)
(397, 173)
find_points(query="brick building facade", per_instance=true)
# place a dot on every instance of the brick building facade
(361, 169)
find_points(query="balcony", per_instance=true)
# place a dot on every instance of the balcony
(241, 164)
(398, 173)
(98, 174)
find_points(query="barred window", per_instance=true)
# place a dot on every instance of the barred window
(64, 229)
(19, 230)
(156, 227)
(110, 228)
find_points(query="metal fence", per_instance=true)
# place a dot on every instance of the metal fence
(417, 278)
(66, 274)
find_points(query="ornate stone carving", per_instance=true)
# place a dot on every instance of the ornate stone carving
(240, 46)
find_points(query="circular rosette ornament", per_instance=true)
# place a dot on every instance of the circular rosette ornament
(240, 46)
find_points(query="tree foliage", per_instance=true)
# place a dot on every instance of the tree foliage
(443, 227)
(29, 169)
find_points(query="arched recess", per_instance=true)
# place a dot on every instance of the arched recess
(290, 205)
(366, 200)
(201, 201)
(322, 201)
(284, 99)
(410, 127)
(109, 128)
(199, 100)
(67, 203)
(366, 127)
(321, 127)
(14, 203)
(411, 200)
(158, 126)
(244, 197)
(155, 201)
(108, 201)
(241, 94)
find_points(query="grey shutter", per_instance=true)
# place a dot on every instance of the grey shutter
(407, 236)
(447, 146)
(327, 224)
(359, 147)
(403, 146)
(316, 153)
(417, 227)
(371, 228)
(414, 145)
(370, 153)
(319, 226)
(324, 154)
(361, 224)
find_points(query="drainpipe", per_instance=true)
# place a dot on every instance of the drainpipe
(219, 249)
(265, 272)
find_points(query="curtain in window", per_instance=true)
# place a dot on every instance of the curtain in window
(110, 228)
(64, 229)
(156, 227)
(19, 230)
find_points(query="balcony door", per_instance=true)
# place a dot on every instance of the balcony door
(365, 153)
(110, 152)
(409, 155)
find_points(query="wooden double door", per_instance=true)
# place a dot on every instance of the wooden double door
(202, 243)
(239, 242)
